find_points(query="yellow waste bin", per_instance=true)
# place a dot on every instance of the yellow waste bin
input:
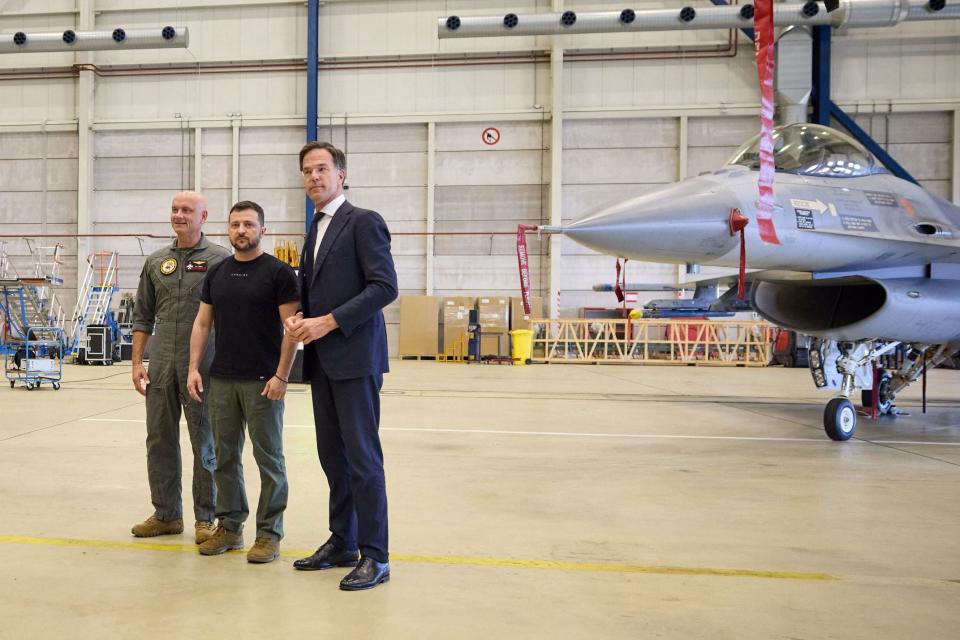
(521, 345)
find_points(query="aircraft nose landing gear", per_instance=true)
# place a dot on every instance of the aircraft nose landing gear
(840, 419)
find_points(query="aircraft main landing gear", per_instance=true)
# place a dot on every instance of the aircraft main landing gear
(847, 365)
(884, 395)
(840, 416)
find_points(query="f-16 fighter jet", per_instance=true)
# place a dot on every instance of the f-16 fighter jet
(862, 261)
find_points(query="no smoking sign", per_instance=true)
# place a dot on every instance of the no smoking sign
(490, 136)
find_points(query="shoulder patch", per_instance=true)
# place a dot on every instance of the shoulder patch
(168, 266)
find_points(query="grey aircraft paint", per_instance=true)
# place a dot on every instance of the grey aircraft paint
(866, 261)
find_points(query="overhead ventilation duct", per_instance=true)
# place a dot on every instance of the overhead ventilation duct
(166, 37)
(720, 17)
(793, 75)
(849, 13)
(933, 10)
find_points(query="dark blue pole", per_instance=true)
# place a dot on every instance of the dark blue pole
(824, 108)
(313, 55)
(864, 138)
(821, 75)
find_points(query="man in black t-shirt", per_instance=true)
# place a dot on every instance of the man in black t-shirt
(247, 297)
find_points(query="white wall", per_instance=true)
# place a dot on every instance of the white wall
(384, 76)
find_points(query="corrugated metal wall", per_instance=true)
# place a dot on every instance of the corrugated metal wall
(621, 137)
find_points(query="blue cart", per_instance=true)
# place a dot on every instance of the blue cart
(36, 360)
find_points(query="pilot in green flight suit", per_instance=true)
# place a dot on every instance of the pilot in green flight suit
(167, 301)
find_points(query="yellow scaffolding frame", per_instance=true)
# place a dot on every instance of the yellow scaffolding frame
(641, 341)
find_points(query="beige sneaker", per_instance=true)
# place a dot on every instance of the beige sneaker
(264, 550)
(221, 541)
(204, 530)
(154, 526)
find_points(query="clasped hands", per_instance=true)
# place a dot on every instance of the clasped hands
(306, 330)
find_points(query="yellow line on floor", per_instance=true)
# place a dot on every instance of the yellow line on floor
(612, 567)
(600, 567)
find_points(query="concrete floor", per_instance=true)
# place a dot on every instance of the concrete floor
(556, 501)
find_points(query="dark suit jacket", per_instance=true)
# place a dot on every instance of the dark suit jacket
(354, 279)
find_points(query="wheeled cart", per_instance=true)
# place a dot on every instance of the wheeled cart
(36, 360)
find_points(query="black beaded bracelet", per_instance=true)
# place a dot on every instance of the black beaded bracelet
(281, 379)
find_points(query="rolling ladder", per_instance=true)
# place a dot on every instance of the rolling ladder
(96, 293)
(27, 302)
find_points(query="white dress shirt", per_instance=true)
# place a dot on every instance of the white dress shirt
(329, 210)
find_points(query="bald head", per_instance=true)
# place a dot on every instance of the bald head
(187, 215)
(198, 199)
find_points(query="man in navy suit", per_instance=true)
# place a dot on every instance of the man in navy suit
(347, 277)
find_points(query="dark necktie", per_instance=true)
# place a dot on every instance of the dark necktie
(312, 248)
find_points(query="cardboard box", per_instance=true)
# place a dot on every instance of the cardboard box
(419, 326)
(517, 321)
(493, 313)
(454, 317)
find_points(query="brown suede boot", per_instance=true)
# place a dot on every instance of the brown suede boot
(221, 541)
(264, 550)
(154, 526)
(203, 530)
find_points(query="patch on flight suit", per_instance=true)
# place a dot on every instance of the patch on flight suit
(168, 266)
(196, 265)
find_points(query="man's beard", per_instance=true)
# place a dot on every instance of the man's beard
(253, 243)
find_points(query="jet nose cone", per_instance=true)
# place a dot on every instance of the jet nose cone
(685, 222)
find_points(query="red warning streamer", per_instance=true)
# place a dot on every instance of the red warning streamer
(621, 282)
(524, 263)
(737, 222)
(766, 54)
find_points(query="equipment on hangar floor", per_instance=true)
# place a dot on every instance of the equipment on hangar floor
(701, 305)
(741, 343)
(92, 315)
(866, 262)
(462, 329)
(99, 348)
(38, 359)
(286, 251)
(28, 304)
(790, 348)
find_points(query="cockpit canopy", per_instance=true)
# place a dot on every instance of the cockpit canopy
(811, 150)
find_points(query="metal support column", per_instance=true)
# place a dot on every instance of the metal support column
(313, 54)
(235, 160)
(198, 159)
(821, 75)
(824, 108)
(556, 166)
(683, 154)
(431, 211)
(955, 159)
(85, 111)
(864, 138)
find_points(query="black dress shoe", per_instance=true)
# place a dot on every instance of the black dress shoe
(327, 556)
(368, 574)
